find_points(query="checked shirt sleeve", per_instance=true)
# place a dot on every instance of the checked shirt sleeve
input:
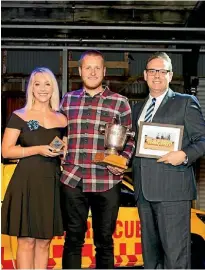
(63, 104)
(126, 120)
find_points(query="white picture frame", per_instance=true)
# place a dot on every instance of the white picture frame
(156, 139)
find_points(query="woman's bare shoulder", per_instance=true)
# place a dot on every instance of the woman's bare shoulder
(62, 118)
(20, 112)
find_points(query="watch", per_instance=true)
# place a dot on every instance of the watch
(185, 161)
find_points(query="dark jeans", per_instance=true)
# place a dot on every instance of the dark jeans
(104, 208)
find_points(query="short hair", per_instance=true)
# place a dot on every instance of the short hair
(90, 52)
(161, 55)
(55, 100)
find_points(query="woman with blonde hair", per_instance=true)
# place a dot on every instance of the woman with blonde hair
(31, 207)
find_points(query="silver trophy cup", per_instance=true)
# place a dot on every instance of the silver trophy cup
(114, 142)
(115, 137)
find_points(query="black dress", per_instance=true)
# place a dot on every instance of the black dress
(31, 206)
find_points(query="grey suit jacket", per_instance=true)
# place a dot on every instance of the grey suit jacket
(164, 182)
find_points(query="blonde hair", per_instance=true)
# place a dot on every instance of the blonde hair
(54, 101)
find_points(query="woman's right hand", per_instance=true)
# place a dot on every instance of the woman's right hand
(46, 151)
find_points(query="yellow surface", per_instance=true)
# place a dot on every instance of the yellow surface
(127, 237)
(6, 173)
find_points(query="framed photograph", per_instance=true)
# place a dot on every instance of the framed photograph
(156, 140)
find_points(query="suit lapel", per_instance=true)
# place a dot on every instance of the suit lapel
(138, 112)
(160, 112)
(163, 106)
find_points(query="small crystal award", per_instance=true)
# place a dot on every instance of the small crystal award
(57, 144)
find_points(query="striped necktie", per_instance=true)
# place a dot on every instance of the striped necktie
(149, 112)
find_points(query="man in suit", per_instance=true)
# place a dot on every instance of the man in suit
(165, 187)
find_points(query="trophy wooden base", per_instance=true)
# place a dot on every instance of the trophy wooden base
(60, 152)
(113, 160)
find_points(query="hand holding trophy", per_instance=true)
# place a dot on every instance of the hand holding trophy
(115, 138)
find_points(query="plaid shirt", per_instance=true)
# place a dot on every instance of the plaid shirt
(85, 113)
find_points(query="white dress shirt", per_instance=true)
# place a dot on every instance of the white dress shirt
(149, 101)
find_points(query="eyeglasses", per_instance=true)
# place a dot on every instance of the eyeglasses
(152, 71)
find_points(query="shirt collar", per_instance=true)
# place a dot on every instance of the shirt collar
(159, 98)
(106, 92)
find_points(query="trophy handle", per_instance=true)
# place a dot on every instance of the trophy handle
(130, 133)
(101, 129)
(115, 120)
